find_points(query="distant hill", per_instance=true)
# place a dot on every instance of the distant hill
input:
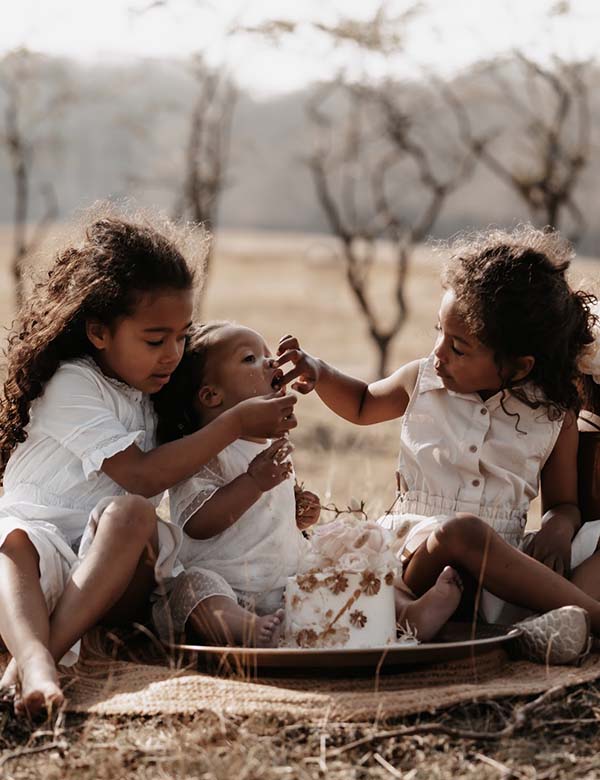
(124, 129)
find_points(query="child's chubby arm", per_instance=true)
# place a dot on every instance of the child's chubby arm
(225, 507)
(561, 517)
(359, 402)
(150, 473)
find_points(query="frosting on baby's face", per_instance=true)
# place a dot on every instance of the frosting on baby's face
(241, 366)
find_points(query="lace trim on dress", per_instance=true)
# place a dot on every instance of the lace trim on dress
(212, 478)
(199, 500)
(93, 458)
(118, 383)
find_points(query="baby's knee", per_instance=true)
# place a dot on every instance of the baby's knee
(132, 515)
(458, 532)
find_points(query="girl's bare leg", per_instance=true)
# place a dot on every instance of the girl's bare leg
(466, 541)
(587, 576)
(114, 579)
(25, 625)
(221, 621)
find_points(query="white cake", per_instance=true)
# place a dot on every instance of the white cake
(343, 595)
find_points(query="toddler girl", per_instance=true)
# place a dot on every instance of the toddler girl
(488, 416)
(79, 539)
(239, 513)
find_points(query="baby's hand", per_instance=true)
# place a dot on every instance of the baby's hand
(270, 467)
(306, 367)
(308, 509)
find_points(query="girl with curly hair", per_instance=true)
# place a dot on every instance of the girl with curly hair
(80, 541)
(488, 417)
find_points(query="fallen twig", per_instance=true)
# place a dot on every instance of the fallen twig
(29, 751)
(517, 721)
(386, 765)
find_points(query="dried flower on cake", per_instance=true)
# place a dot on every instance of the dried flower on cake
(389, 578)
(307, 582)
(306, 637)
(337, 582)
(296, 601)
(358, 619)
(370, 584)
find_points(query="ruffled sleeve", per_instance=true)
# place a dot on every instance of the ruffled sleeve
(81, 414)
(188, 496)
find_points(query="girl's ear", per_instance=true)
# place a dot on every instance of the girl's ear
(210, 396)
(97, 333)
(523, 367)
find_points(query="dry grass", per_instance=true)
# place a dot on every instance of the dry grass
(557, 740)
(280, 284)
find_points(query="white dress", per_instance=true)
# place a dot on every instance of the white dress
(248, 562)
(54, 488)
(461, 454)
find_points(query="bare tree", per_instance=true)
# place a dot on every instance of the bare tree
(363, 166)
(378, 173)
(207, 151)
(33, 96)
(551, 108)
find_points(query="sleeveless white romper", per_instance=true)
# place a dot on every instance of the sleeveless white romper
(461, 454)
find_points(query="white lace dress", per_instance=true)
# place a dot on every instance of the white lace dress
(250, 561)
(54, 488)
(461, 454)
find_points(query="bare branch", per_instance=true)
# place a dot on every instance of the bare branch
(380, 147)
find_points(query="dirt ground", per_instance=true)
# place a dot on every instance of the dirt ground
(279, 284)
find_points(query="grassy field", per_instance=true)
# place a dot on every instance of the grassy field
(294, 283)
(280, 284)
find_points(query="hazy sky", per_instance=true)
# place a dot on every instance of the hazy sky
(447, 35)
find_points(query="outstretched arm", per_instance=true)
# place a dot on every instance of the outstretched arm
(150, 473)
(353, 399)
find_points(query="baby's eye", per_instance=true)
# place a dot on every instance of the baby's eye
(437, 327)
(154, 343)
(457, 351)
(249, 359)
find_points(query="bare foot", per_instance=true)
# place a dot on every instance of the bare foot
(267, 629)
(39, 686)
(427, 614)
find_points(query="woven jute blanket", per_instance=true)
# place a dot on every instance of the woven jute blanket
(104, 686)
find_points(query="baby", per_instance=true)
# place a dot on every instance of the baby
(241, 514)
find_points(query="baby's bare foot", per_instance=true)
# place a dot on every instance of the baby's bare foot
(267, 629)
(432, 610)
(39, 688)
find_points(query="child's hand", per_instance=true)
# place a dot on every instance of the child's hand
(551, 545)
(308, 509)
(266, 416)
(270, 467)
(306, 367)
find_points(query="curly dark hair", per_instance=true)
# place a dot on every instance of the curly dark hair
(512, 291)
(101, 278)
(175, 403)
